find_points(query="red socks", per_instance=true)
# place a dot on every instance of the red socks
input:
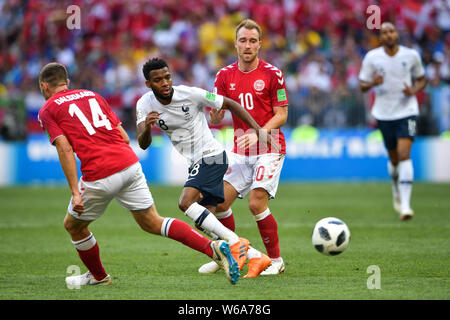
(227, 219)
(180, 231)
(90, 255)
(268, 229)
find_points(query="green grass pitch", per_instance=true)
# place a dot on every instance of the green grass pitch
(413, 257)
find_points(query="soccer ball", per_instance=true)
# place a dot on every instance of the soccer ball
(330, 236)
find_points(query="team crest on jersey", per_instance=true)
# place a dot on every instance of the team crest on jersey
(187, 115)
(259, 85)
(232, 86)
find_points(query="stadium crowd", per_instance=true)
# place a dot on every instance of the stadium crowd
(319, 46)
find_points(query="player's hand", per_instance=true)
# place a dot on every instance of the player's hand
(408, 91)
(77, 204)
(151, 118)
(377, 79)
(245, 141)
(266, 138)
(216, 116)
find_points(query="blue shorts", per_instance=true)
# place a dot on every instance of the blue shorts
(207, 176)
(392, 130)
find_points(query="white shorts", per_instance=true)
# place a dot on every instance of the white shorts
(129, 187)
(246, 173)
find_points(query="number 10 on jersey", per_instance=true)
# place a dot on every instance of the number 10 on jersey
(246, 100)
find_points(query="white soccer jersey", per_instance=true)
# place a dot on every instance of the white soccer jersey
(184, 121)
(390, 101)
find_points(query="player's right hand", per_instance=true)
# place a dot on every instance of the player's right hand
(216, 116)
(377, 79)
(151, 118)
(77, 204)
(246, 141)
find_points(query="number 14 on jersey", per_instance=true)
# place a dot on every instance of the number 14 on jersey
(99, 119)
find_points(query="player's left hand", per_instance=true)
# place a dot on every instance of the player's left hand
(408, 91)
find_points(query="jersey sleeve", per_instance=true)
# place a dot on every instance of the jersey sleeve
(278, 92)
(141, 110)
(417, 68)
(367, 70)
(205, 98)
(219, 83)
(49, 125)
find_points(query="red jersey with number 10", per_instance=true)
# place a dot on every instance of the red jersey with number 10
(258, 91)
(87, 121)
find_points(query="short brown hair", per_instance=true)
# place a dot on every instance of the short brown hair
(249, 24)
(54, 74)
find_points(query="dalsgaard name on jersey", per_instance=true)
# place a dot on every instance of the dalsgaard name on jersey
(75, 96)
(184, 121)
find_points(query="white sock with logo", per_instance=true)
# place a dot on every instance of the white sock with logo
(405, 180)
(209, 222)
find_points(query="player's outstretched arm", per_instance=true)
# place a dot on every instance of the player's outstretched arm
(69, 166)
(240, 112)
(246, 141)
(144, 130)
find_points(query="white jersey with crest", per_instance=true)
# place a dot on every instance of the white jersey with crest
(390, 101)
(184, 121)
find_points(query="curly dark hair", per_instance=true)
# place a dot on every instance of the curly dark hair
(153, 64)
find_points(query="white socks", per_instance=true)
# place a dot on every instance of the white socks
(209, 222)
(86, 243)
(405, 180)
(262, 215)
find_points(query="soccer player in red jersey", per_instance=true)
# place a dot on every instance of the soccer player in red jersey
(81, 122)
(260, 88)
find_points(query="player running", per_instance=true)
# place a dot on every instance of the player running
(81, 121)
(390, 70)
(178, 111)
(260, 88)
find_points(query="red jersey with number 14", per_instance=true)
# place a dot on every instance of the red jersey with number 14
(87, 121)
(258, 91)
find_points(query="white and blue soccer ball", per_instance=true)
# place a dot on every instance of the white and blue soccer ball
(330, 236)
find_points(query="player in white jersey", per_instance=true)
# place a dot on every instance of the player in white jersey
(178, 111)
(396, 74)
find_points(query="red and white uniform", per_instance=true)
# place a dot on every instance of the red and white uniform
(87, 121)
(258, 91)
(110, 168)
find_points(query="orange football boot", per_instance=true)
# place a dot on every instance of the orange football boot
(239, 251)
(257, 265)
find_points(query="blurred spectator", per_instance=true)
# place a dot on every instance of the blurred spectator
(318, 44)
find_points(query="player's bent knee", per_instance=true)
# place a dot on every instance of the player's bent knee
(256, 207)
(258, 201)
(73, 227)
